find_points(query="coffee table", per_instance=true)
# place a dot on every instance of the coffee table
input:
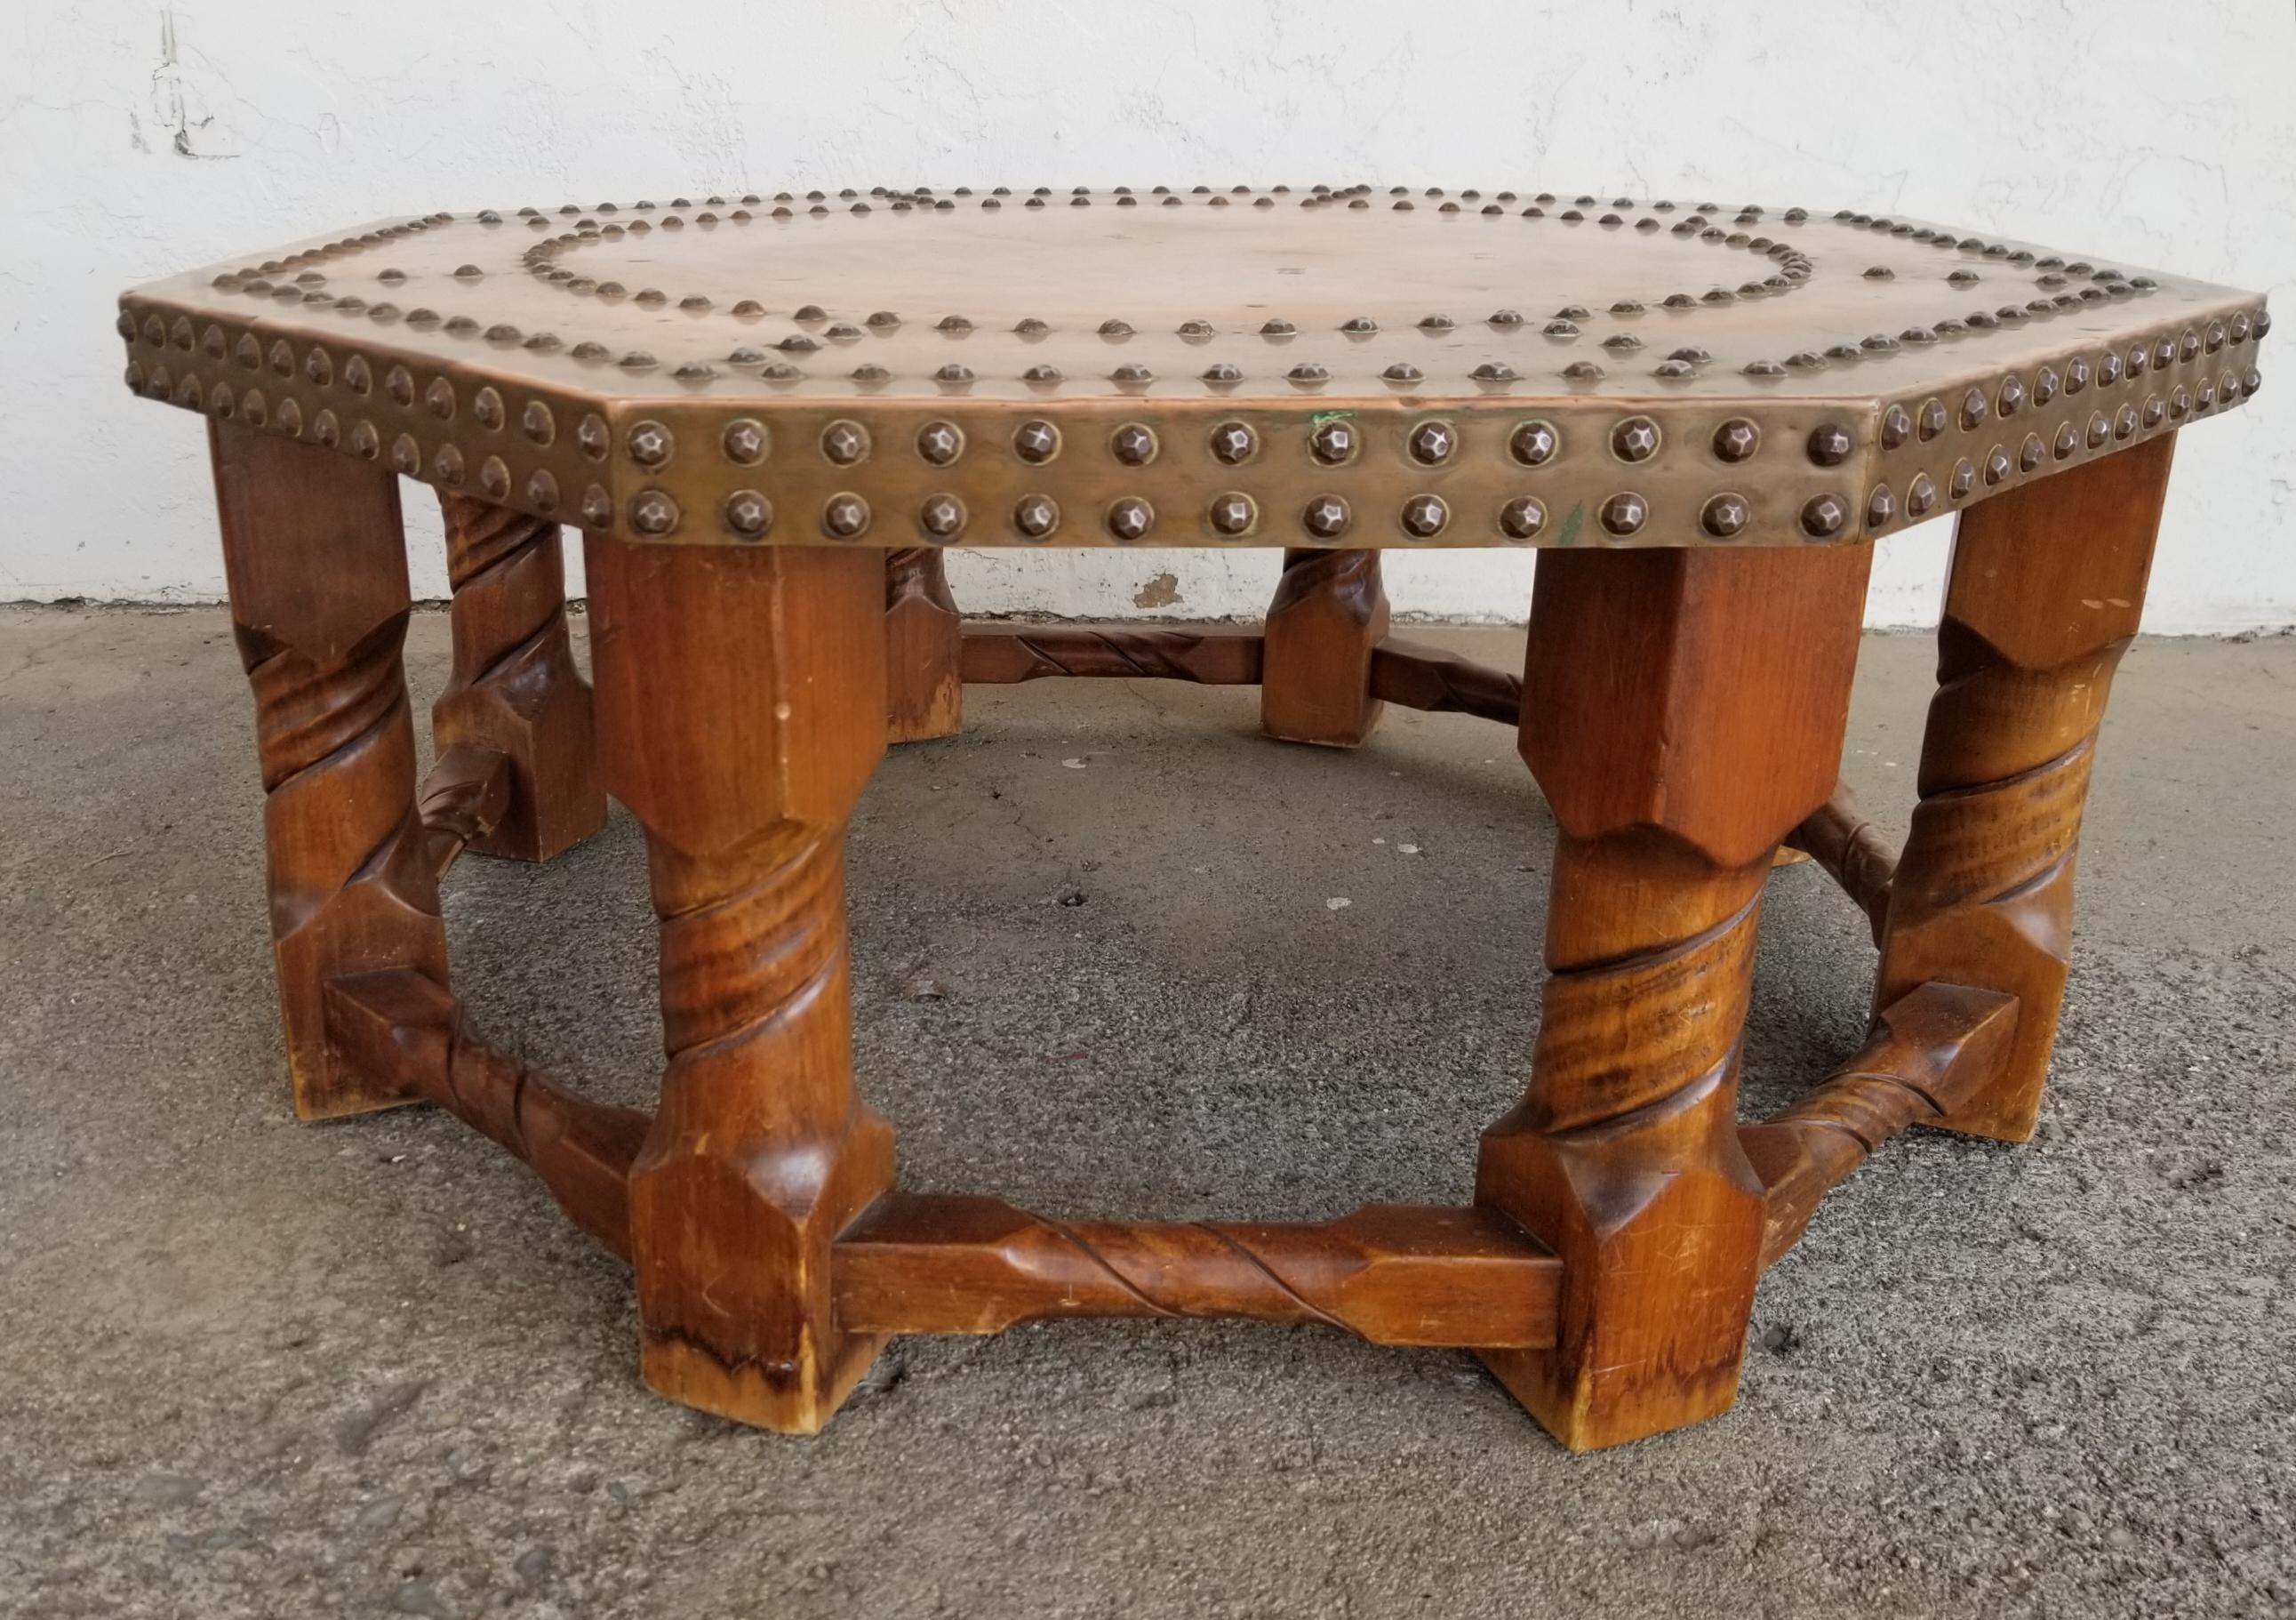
(769, 414)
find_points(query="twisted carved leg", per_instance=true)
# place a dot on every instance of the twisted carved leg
(2047, 586)
(514, 689)
(924, 645)
(1329, 612)
(1682, 710)
(316, 561)
(741, 709)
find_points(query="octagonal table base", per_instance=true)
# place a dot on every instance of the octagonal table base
(1681, 710)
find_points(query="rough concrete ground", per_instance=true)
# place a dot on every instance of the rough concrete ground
(253, 1368)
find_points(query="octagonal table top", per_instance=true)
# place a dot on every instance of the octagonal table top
(1280, 367)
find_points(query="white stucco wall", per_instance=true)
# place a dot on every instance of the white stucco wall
(137, 138)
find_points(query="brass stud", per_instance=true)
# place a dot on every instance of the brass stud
(1824, 517)
(1037, 441)
(1726, 516)
(1974, 409)
(1235, 443)
(326, 430)
(1333, 442)
(2108, 368)
(1830, 443)
(1134, 444)
(1534, 443)
(1130, 518)
(2030, 453)
(1896, 427)
(2099, 429)
(1634, 440)
(744, 441)
(1424, 516)
(2155, 409)
(2124, 421)
(439, 398)
(597, 507)
(1232, 513)
(650, 444)
(364, 441)
(1432, 443)
(1736, 441)
(1036, 516)
(2011, 396)
(1326, 516)
(940, 442)
(941, 516)
(1964, 480)
(845, 443)
(398, 383)
(542, 492)
(1522, 518)
(2068, 441)
(1625, 514)
(653, 512)
(1921, 496)
(844, 516)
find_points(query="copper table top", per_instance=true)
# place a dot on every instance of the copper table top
(1225, 367)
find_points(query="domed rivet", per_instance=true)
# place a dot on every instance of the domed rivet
(1432, 443)
(844, 516)
(398, 383)
(326, 430)
(364, 441)
(1522, 518)
(487, 408)
(2099, 429)
(1036, 516)
(1726, 516)
(2155, 409)
(942, 516)
(1134, 444)
(2139, 358)
(1333, 442)
(2108, 368)
(845, 443)
(1974, 408)
(1326, 516)
(1634, 440)
(2250, 381)
(744, 441)
(406, 455)
(1881, 507)
(1194, 329)
(955, 372)
(1534, 443)
(2164, 354)
(1624, 514)
(542, 493)
(1964, 480)
(2067, 442)
(2046, 384)
(2078, 373)
(1114, 328)
(289, 419)
(1035, 374)
(940, 442)
(1233, 443)
(1037, 441)
(650, 444)
(2180, 404)
(597, 507)
(1130, 519)
(1436, 323)
(2189, 348)
(1232, 513)
(1424, 516)
(653, 512)
(1736, 441)
(2124, 421)
(1577, 371)
(2030, 453)
(282, 356)
(2215, 338)
(1277, 328)
(1921, 496)
(1830, 443)
(1897, 426)
(2011, 396)
(1824, 517)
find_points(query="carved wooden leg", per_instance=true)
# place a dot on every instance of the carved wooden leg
(741, 709)
(1328, 613)
(1682, 710)
(2047, 586)
(924, 647)
(316, 561)
(514, 688)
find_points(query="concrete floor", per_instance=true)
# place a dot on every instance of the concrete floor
(253, 1368)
